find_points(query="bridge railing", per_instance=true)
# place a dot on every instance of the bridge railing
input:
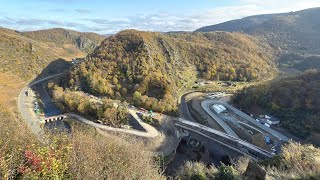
(55, 118)
(228, 138)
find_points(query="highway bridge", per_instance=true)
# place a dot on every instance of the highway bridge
(227, 140)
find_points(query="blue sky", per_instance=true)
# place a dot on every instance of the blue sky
(106, 17)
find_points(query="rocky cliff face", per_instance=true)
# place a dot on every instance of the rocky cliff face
(86, 42)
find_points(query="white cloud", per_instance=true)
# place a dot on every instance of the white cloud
(248, 8)
(165, 21)
(195, 20)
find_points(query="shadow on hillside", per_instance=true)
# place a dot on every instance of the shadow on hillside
(54, 67)
(49, 107)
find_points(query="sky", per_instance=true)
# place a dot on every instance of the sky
(108, 17)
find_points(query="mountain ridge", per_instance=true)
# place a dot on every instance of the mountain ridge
(157, 65)
(295, 23)
(85, 41)
(295, 36)
(26, 56)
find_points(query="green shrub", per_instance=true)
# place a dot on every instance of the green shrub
(195, 171)
(227, 173)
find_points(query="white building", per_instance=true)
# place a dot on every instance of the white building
(218, 108)
(222, 107)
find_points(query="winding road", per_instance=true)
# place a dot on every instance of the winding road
(184, 110)
(206, 106)
(51, 110)
(213, 134)
(151, 132)
(250, 119)
(33, 123)
(230, 135)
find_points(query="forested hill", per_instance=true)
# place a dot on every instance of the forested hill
(295, 35)
(23, 56)
(86, 42)
(298, 30)
(158, 65)
(240, 25)
(295, 100)
(26, 54)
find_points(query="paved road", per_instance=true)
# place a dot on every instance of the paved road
(34, 126)
(184, 109)
(250, 119)
(191, 126)
(206, 106)
(150, 130)
(239, 123)
(151, 133)
(245, 124)
(51, 110)
(44, 79)
(205, 136)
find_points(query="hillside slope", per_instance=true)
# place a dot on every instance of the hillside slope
(295, 100)
(64, 38)
(27, 53)
(23, 56)
(240, 25)
(158, 65)
(295, 35)
(288, 31)
(23, 157)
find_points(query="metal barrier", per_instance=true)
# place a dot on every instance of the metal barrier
(55, 118)
(226, 138)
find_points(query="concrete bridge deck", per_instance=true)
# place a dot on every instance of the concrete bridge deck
(229, 141)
